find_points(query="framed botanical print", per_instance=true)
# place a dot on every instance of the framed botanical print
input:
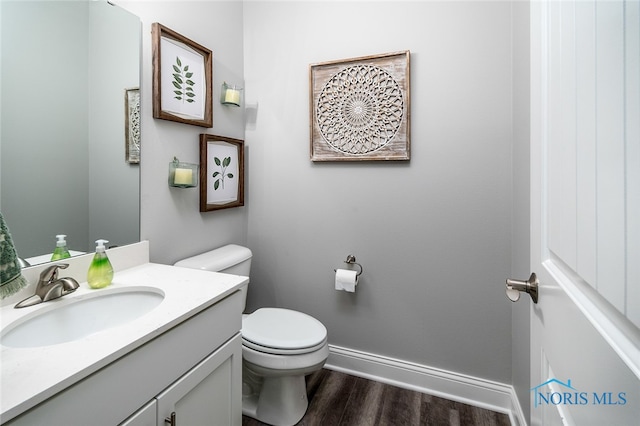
(221, 172)
(182, 78)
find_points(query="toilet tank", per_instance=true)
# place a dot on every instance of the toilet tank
(229, 259)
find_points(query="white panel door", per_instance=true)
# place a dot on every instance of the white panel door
(585, 198)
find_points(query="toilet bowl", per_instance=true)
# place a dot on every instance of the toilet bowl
(279, 347)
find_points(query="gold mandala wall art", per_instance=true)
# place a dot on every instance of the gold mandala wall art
(360, 108)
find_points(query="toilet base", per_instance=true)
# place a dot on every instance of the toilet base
(281, 401)
(274, 389)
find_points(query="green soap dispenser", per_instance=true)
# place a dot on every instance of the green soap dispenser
(100, 272)
(61, 251)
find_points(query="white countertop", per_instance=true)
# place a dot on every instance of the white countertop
(32, 375)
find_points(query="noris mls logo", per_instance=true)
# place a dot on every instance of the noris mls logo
(555, 392)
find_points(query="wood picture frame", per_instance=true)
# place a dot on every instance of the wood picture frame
(182, 78)
(132, 125)
(360, 108)
(221, 172)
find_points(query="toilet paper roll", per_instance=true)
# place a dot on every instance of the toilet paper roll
(346, 279)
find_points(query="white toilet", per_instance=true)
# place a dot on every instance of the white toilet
(279, 347)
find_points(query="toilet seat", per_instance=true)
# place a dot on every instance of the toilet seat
(277, 351)
(282, 331)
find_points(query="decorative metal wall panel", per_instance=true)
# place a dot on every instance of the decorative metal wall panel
(360, 108)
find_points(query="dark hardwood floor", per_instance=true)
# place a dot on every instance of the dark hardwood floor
(339, 399)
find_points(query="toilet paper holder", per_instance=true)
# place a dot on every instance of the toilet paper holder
(351, 260)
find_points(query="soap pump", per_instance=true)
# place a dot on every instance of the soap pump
(61, 251)
(100, 271)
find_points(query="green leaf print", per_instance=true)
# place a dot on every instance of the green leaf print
(221, 175)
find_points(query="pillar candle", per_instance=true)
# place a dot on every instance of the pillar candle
(232, 96)
(183, 177)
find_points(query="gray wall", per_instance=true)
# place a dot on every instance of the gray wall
(520, 264)
(114, 184)
(44, 125)
(434, 234)
(170, 217)
(65, 68)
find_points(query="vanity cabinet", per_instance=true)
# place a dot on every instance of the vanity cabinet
(209, 394)
(193, 369)
(146, 416)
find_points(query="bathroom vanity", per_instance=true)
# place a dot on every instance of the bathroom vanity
(182, 358)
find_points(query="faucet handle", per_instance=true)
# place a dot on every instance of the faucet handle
(50, 273)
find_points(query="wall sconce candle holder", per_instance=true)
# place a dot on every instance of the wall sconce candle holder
(183, 175)
(230, 94)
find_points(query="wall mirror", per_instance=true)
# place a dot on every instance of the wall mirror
(66, 69)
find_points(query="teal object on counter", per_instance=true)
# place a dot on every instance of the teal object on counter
(11, 279)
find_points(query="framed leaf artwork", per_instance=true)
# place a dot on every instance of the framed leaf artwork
(221, 172)
(182, 78)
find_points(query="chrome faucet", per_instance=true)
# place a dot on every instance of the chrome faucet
(50, 287)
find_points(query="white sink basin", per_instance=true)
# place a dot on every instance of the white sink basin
(65, 320)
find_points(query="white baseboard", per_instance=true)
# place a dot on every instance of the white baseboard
(474, 391)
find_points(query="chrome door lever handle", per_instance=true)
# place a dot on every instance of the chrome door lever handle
(515, 287)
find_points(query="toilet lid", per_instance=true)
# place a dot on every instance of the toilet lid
(283, 329)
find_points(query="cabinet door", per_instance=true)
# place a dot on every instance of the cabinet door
(146, 416)
(210, 393)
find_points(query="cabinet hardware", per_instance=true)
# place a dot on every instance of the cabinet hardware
(171, 420)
